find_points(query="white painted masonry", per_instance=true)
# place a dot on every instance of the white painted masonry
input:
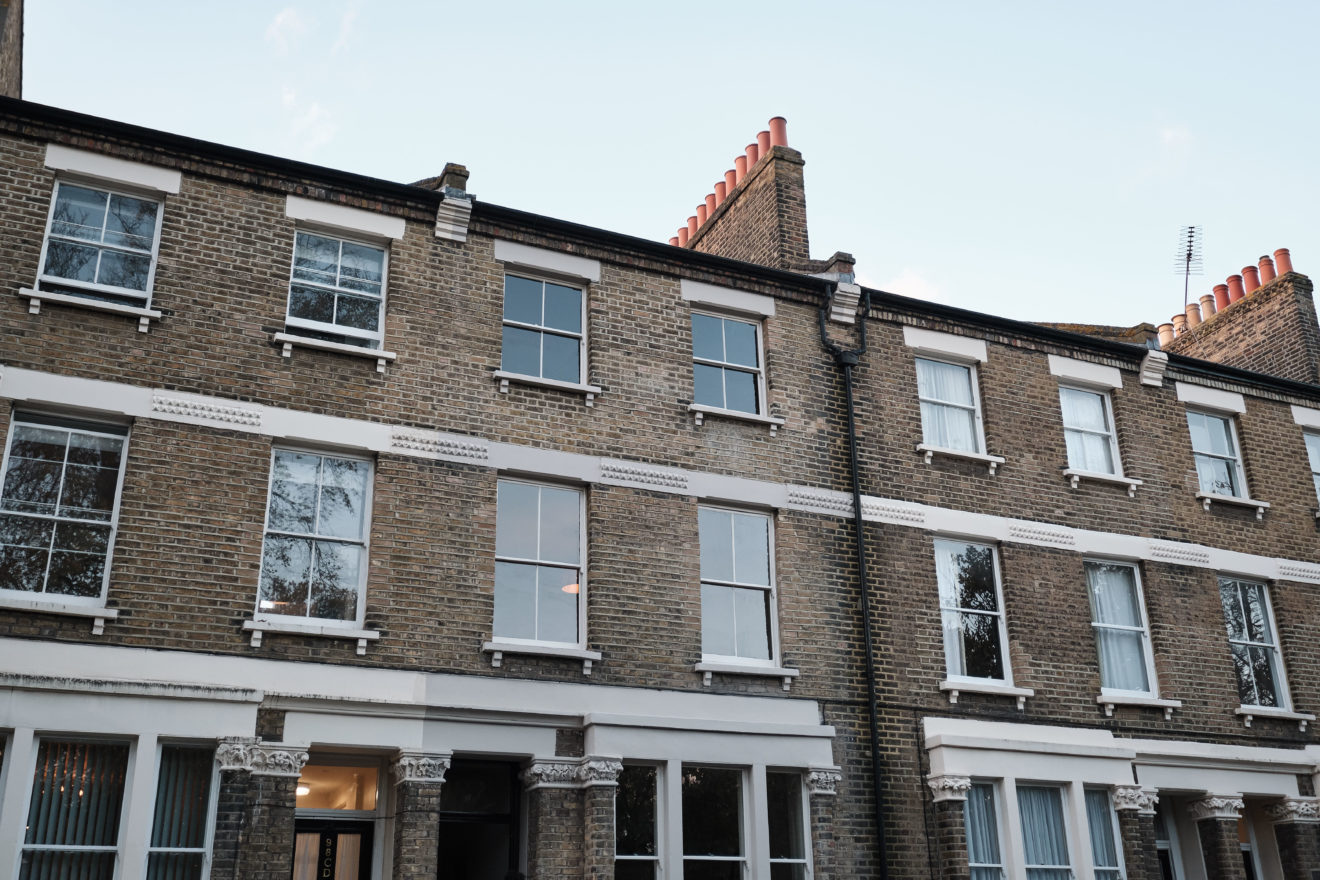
(111, 170)
(342, 218)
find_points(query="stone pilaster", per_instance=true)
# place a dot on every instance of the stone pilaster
(1135, 808)
(231, 808)
(1217, 818)
(418, 778)
(949, 794)
(822, 788)
(599, 777)
(1297, 832)
(555, 824)
(268, 774)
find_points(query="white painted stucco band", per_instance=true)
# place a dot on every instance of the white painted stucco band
(111, 169)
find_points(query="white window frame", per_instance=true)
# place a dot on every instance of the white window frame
(1239, 474)
(507, 642)
(1111, 435)
(35, 419)
(1147, 650)
(543, 278)
(1313, 460)
(771, 591)
(126, 803)
(658, 819)
(1121, 867)
(1284, 696)
(977, 419)
(48, 284)
(757, 323)
(352, 628)
(1002, 865)
(1170, 844)
(212, 799)
(804, 810)
(354, 337)
(748, 816)
(961, 678)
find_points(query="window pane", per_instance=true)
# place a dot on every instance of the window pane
(635, 869)
(515, 600)
(77, 792)
(131, 223)
(740, 391)
(285, 575)
(740, 343)
(124, 270)
(362, 268)
(557, 604)
(946, 383)
(966, 575)
(1100, 821)
(182, 796)
(79, 212)
(516, 530)
(1113, 594)
(707, 337)
(74, 262)
(47, 865)
(1230, 598)
(715, 531)
(717, 621)
(1313, 451)
(1083, 409)
(784, 809)
(88, 492)
(708, 385)
(521, 352)
(75, 574)
(338, 787)
(751, 612)
(522, 300)
(1090, 452)
(948, 427)
(316, 258)
(787, 871)
(1122, 660)
(22, 568)
(980, 645)
(561, 358)
(751, 549)
(561, 521)
(342, 511)
(712, 812)
(634, 812)
(358, 313)
(174, 866)
(1258, 622)
(293, 492)
(563, 308)
(1044, 839)
(1216, 476)
(696, 870)
(982, 825)
(311, 304)
(338, 574)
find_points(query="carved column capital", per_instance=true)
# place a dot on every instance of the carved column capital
(1217, 806)
(551, 773)
(596, 770)
(235, 752)
(1134, 797)
(949, 787)
(410, 766)
(1295, 809)
(277, 759)
(823, 780)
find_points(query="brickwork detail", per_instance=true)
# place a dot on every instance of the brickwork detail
(1220, 848)
(1299, 847)
(598, 831)
(555, 839)
(951, 837)
(1136, 828)
(417, 814)
(824, 816)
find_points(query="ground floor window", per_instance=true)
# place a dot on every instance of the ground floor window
(636, 855)
(75, 809)
(179, 823)
(480, 821)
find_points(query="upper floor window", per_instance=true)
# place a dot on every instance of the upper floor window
(1313, 453)
(543, 335)
(1119, 621)
(539, 552)
(971, 607)
(737, 585)
(1250, 624)
(314, 561)
(950, 406)
(59, 506)
(1088, 430)
(726, 363)
(100, 244)
(337, 290)
(1215, 448)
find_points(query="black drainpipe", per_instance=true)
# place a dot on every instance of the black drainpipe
(847, 360)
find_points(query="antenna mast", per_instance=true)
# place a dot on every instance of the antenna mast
(1189, 257)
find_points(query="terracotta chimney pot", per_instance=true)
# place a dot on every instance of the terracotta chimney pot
(1283, 260)
(1221, 297)
(710, 204)
(682, 235)
(779, 131)
(1193, 316)
(1266, 269)
(1251, 279)
(673, 240)
(702, 213)
(753, 152)
(730, 181)
(1166, 335)
(692, 226)
(763, 141)
(1179, 324)
(721, 191)
(1207, 306)
(740, 168)
(1235, 288)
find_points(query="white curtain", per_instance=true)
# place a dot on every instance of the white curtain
(983, 833)
(946, 405)
(1086, 431)
(1100, 821)
(1044, 836)
(1114, 603)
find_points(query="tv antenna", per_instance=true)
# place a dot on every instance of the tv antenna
(1189, 258)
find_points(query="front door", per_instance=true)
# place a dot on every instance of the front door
(330, 850)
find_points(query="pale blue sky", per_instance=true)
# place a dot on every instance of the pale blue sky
(1030, 159)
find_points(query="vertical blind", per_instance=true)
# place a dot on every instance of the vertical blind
(77, 799)
(178, 830)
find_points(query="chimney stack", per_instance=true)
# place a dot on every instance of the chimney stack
(11, 48)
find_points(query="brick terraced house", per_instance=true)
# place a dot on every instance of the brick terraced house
(363, 530)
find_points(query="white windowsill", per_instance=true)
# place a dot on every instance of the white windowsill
(36, 297)
(1109, 701)
(1076, 476)
(785, 674)
(289, 340)
(98, 614)
(994, 461)
(986, 686)
(325, 630)
(1207, 498)
(699, 411)
(1249, 712)
(504, 377)
(498, 649)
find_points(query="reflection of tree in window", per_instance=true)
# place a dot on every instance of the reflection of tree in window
(970, 609)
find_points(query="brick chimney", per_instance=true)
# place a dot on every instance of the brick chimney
(763, 217)
(11, 48)
(1269, 329)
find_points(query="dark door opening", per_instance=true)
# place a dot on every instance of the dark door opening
(479, 821)
(329, 850)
